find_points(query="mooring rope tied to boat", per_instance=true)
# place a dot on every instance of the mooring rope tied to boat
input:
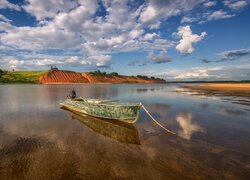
(157, 121)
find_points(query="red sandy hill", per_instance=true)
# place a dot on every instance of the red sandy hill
(62, 77)
(70, 77)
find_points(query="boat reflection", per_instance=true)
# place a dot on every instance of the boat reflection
(120, 131)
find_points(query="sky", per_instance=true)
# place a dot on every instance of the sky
(178, 40)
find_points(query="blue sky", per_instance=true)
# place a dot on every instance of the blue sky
(172, 39)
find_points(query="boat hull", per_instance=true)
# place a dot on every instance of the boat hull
(126, 112)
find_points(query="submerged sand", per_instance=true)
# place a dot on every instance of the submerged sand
(232, 89)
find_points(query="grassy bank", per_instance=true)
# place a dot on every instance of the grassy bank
(21, 77)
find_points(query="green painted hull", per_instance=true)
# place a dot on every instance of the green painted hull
(123, 111)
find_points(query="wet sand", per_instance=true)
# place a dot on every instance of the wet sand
(242, 90)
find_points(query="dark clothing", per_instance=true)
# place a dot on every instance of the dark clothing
(72, 94)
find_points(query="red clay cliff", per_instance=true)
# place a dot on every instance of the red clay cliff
(70, 77)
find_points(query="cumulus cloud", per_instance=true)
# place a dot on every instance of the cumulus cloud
(188, 38)
(3, 18)
(235, 72)
(208, 15)
(5, 4)
(234, 54)
(35, 61)
(39, 38)
(219, 15)
(149, 36)
(235, 5)
(48, 8)
(158, 58)
(156, 10)
(187, 126)
(6, 27)
(186, 19)
(24, 64)
(75, 26)
(99, 28)
(152, 58)
(210, 3)
(101, 60)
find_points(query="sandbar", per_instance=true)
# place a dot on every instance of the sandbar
(232, 89)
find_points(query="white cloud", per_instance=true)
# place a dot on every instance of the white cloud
(36, 61)
(238, 5)
(65, 27)
(74, 20)
(187, 126)
(210, 3)
(6, 26)
(186, 19)
(3, 18)
(235, 5)
(76, 25)
(219, 15)
(149, 36)
(45, 37)
(48, 8)
(207, 15)
(185, 45)
(101, 60)
(136, 33)
(121, 14)
(158, 58)
(5, 4)
(156, 10)
(13, 63)
(231, 72)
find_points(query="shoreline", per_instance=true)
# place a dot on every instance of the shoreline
(230, 89)
(72, 83)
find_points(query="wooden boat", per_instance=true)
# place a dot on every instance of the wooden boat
(117, 130)
(108, 109)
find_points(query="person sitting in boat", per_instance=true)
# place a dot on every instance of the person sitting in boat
(72, 94)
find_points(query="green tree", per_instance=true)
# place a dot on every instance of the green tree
(2, 72)
(114, 74)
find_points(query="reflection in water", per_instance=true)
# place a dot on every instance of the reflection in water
(143, 90)
(206, 94)
(188, 127)
(197, 93)
(204, 105)
(231, 111)
(117, 130)
(38, 140)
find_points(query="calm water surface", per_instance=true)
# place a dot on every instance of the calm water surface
(39, 140)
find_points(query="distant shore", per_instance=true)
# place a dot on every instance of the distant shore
(55, 76)
(231, 89)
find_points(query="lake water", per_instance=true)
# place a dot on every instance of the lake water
(39, 140)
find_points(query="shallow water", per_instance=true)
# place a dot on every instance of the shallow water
(39, 140)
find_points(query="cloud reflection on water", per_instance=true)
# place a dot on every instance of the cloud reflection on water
(188, 127)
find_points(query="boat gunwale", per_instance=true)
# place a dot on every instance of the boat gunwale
(130, 121)
(134, 104)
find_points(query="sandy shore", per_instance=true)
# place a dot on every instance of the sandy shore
(226, 89)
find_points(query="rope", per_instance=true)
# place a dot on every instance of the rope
(151, 137)
(157, 121)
